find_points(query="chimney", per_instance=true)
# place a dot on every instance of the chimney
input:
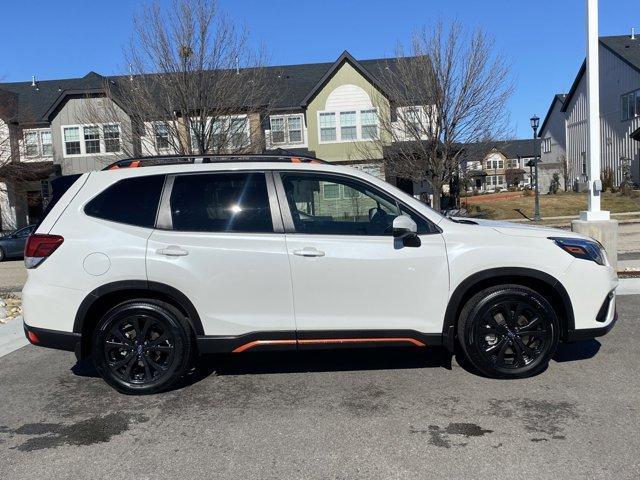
(633, 33)
(33, 80)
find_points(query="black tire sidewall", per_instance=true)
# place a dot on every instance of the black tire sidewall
(170, 318)
(469, 316)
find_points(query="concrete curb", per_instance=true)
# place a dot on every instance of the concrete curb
(12, 336)
(628, 286)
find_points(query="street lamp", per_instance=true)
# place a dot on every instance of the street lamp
(535, 123)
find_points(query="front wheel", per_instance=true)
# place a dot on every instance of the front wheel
(142, 346)
(508, 331)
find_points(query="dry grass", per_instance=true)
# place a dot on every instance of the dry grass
(502, 207)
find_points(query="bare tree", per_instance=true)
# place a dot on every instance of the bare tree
(450, 88)
(194, 84)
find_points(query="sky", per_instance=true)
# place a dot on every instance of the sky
(543, 40)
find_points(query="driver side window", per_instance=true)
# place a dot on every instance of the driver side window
(334, 205)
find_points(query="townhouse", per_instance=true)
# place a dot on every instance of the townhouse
(564, 129)
(328, 110)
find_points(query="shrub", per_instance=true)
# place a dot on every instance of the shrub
(606, 176)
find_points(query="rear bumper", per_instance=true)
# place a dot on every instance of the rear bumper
(43, 337)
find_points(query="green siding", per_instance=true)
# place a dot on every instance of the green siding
(344, 151)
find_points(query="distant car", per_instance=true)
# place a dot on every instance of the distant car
(12, 244)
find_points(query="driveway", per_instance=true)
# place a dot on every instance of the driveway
(12, 276)
(331, 415)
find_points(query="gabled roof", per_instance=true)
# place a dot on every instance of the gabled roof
(34, 101)
(342, 59)
(623, 47)
(511, 149)
(558, 97)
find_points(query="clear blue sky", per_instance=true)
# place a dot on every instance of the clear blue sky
(543, 39)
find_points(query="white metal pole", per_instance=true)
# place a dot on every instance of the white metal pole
(593, 102)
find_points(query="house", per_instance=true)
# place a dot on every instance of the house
(490, 166)
(564, 130)
(329, 110)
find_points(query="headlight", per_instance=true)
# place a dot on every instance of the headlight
(583, 249)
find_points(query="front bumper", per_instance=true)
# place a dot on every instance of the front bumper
(607, 316)
(43, 337)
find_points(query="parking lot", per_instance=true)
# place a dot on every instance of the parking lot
(339, 415)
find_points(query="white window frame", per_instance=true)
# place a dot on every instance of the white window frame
(155, 137)
(39, 143)
(546, 145)
(35, 135)
(286, 129)
(338, 126)
(626, 98)
(83, 151)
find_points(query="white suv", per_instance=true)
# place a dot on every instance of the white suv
(143, 268)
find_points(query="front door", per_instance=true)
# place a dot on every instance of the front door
(348, 272)
(220, 243)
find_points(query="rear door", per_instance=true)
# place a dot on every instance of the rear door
(348, 271)
(219, 240)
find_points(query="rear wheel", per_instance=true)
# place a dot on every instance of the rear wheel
(508, 331)
(142, 346)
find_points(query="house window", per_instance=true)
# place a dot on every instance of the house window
(238, 132)
(72, 140)
(348, 128)
(111, 138)
(330, 191)
(286, 129)
(31, 144)
(46, 142)
(412, 121)
(500, 163)
(162, 136)
(91, 139)
(277, 130)
(328, 127)
(369, 121)
(630, 105)
(546, 145)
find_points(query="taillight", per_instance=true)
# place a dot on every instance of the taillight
(39, 247)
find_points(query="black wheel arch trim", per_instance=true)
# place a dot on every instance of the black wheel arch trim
(510, 274)
(122, 286)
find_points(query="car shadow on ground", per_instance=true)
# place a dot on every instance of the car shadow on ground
(571, 352)
(256, 363)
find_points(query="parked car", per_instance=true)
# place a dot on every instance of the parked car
(12, 244)
(148, 267)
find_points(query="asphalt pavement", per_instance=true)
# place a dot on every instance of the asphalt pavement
(368, 414)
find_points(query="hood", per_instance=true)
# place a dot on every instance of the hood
(523, 230)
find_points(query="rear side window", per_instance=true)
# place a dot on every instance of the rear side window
(221, 202)
(133, 201)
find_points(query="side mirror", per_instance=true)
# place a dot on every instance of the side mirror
(405, 232)
(402, 225)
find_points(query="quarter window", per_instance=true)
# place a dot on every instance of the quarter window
(221, 202)
(133, 201)
(318, 207)
(72, 140)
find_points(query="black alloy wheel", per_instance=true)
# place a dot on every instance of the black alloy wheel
(508, 331)
(142, 346)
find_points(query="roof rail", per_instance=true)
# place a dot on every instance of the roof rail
(158, 160)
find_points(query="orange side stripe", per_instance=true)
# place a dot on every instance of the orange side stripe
(255, 343)
(328, 341)
(417, 343)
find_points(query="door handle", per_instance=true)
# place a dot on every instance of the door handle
(309, 252)
(172, 251)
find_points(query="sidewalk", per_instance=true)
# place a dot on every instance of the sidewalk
(12, 336)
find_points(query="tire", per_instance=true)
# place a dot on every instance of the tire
(2, 255)
(149, 365)
(508, 331)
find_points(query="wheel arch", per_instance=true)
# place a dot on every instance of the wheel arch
(106, 296)
(542, 282)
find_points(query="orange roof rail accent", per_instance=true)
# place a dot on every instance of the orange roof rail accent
(295, 160)
(134, 164)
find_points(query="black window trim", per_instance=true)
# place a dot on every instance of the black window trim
(111, 185)
(289, 227)
(165, 222)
